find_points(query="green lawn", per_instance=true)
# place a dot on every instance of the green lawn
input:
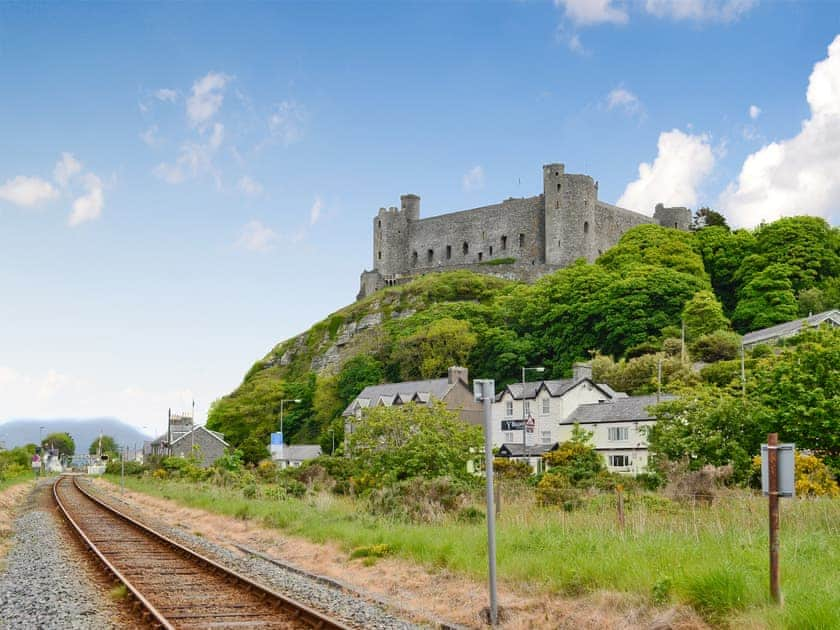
(714, 559)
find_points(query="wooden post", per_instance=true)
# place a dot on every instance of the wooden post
(773, 501)
(620, 505)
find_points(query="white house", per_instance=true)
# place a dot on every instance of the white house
(546, 404)
(294, 455)
(618, 430)
(788, 329)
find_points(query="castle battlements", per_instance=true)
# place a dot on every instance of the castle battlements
(527, 236)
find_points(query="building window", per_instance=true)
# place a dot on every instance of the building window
(509, 408)
(480, 256)
(545, 437)
(465, 248)
(491, 250)
(380, 255)
(546, 406)
(414, 259)
(448, 252)
(504, 243)
(618, 434)
(558, 187)
(586, 227)
(557, 204)
(556, 173)
(380, 224)
(508, 437)
(527, 408)
(430, 255)
(619, 461)
(521, 240)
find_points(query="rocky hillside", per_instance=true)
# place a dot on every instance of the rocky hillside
(630, 302)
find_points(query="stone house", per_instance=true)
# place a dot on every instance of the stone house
(293, 455)
(207, 445)
(453, 391)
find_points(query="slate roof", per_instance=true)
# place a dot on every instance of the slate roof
(555, 388)
(791, 328)
(515, 449)
(215, 434)
(301, 452)
(630, 409)
(388, 393)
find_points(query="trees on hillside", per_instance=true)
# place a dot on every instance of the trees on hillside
(108, 447)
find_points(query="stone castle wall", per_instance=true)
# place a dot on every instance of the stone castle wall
(541, 233)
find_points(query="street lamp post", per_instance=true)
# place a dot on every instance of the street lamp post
(282, 436)
(524, 419)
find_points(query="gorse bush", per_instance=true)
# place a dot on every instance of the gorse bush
(812, 478)
(419, 500)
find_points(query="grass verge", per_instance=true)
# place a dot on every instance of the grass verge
(714, 559)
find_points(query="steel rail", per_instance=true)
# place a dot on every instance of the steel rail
(299, 611)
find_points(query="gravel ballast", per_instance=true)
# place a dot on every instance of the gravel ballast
(43, 584)
(309, 590)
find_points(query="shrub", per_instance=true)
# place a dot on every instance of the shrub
(760, 351)
(419, 500)
(511, 469)
(576, 459)
(371, 551)
(719, 345)
(650, 480)
(556, 489)
(131, 468)
(267, 470)
(694, 486)
(661, 591)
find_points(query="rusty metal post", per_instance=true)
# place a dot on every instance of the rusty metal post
(620, 505)
(773, 501)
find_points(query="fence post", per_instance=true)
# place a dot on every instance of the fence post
(773, 501)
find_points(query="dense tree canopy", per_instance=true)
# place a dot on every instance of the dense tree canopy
(61, 441)
(108, 447)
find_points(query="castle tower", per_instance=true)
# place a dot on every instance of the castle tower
(390, 236)
(677, 217)
(569, 215)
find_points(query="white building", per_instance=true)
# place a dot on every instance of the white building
(546, 404)
(618, 430)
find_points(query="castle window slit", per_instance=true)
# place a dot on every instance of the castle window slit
(414, 259)
(466, 248)
(480, 256)
(491, 250)
(586, 227)
(448, 252)
(430, 255)
(521, 240)
(379, 255)
(504, 243)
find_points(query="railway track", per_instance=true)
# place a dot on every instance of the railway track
(173, 586)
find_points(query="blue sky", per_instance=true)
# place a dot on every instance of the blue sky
(184, 185)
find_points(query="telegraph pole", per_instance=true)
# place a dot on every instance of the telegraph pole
(484, 390)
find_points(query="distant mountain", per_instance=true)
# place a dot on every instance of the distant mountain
(19, 432)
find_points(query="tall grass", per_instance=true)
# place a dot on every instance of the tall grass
(12, 480)
(712, 558)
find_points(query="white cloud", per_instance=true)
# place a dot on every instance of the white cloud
(315, 211)
(66, 168)
(150, 136)
(681, 165)
(700, 10)
(473, 179)
(588, 12)
(88, 206)
(27, 191)
(625, 100)
(256, 237)
(249, 186)
(755, 111)
(797, 175)
(287, 122)
(166, 95)
(194, 159)
(206, 98)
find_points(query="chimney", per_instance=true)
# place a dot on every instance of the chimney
(459, 373)
(581, 371)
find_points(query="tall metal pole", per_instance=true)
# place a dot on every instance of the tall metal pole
(524, 419)
(487, 397)
(743, 374)
(122, 471)
(773, 500)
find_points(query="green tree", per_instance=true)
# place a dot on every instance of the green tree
(655, 246)
(431, 350)
(575, 459)
(719, 345)
(766, 300)
(61, 441)
(723, 253)
(253, 450)
(706, 217)
(356, 374)
(702, 315)
(109, 447)
(707, 425)
(395, 443)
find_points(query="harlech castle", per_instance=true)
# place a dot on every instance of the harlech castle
(519, 239)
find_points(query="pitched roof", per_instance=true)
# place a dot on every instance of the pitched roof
(214, 434)
(387, 393)
(555, 388)
(301, 452)
(630, 409)
(787, 329)
(515, 449)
